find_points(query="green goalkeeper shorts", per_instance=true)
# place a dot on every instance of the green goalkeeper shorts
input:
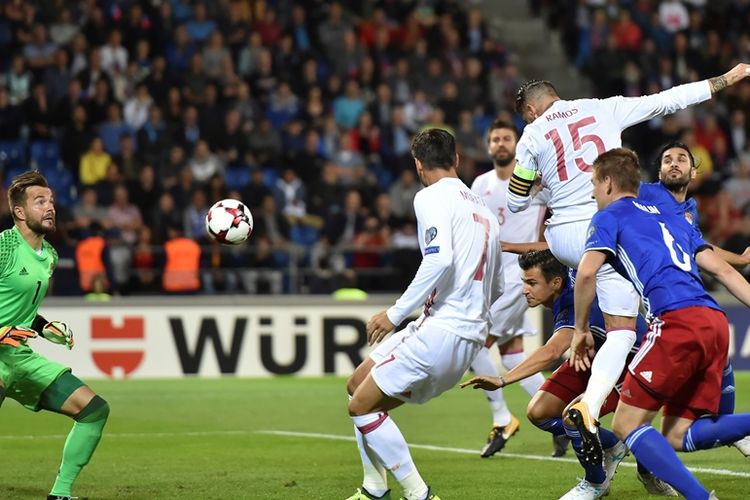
(26, 374)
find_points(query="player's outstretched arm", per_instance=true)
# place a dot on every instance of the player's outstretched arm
(728, 276)
(738, 261)
(520, 248)
(734, 75)
(582, 345)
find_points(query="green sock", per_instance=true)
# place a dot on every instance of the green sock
(80, 444)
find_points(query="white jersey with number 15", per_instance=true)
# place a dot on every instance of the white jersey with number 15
(562, 144)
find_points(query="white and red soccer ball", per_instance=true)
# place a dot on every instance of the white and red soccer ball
(229, 222)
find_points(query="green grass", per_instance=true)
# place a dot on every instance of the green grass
(196, 438)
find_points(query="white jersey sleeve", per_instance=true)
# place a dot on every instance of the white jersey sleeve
(434, 230)
(628, 111)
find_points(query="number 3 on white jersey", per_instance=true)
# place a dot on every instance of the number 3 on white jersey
(574, 129)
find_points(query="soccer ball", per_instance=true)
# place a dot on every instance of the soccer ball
(229, 222)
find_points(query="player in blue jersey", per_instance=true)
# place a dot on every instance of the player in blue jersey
(680, 363)
(676, 169)
(549, 283)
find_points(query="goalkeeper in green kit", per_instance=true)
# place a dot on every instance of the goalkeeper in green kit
(26, 264)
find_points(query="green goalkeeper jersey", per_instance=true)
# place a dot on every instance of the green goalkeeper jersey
(24, 277)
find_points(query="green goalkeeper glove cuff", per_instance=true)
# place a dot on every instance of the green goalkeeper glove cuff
(16, 335)
(58, 332)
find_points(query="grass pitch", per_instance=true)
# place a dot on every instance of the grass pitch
(226, 439)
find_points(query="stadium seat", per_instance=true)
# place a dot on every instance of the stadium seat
(303, 234)
(270, 176)
(13, 171)
(12, 154)
(61, 182)
(383, 175)
(237, 177)
(45, 154)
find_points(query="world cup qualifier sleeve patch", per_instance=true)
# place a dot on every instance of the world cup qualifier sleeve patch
(429, 235)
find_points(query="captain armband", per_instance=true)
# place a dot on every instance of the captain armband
(522, 181)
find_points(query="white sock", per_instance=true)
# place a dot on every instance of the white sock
(383, 437)
(483, 365)
(607, 368)
(530, 384)
(375, 479)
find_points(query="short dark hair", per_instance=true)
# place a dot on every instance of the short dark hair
(532, 89)
(19, 185)
(434, 148)
(545, 261)
(622, 166)
(676, 144)
(500, 123)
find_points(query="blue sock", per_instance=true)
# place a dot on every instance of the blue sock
(726, 403)
(711, 432)
(594, 472)
(552, 425)
(654, 452)
(607, 438)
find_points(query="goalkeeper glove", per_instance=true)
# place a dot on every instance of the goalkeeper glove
(16, 335)
(58, 332)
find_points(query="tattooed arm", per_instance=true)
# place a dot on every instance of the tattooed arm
(731, 77)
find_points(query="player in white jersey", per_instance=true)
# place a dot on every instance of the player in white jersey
(558, 146)
(459, 278)
(508, 322)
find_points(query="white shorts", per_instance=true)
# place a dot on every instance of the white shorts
(616, 295)
(508, 313)
(418, 364)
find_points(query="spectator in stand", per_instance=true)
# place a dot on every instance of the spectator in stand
(94, 163)
(166, 215)
(136, 108)
(112, 130)
(129, 162)
(350, 162)
(369, 245)
(195, 216)
(125, 216)
(199, 28)
(39, 115)
(738, 185)
(341, 227)
(254, 193)
(114, 56)
(88, 211)
(58, 76)
(105, 188)
(144, 191)
(291, 195)
(402, 194)
(188, 132)
(204, 164)
(270, 224)
(63, 30)
(39, 52)
(153, 137)
(265, 144)
(10, 117)
(347, 108)
(146, 261)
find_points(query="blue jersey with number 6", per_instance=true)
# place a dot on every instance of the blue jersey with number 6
(655, 251)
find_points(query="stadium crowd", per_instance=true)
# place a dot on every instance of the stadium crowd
(637, 47)
(142, 114)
